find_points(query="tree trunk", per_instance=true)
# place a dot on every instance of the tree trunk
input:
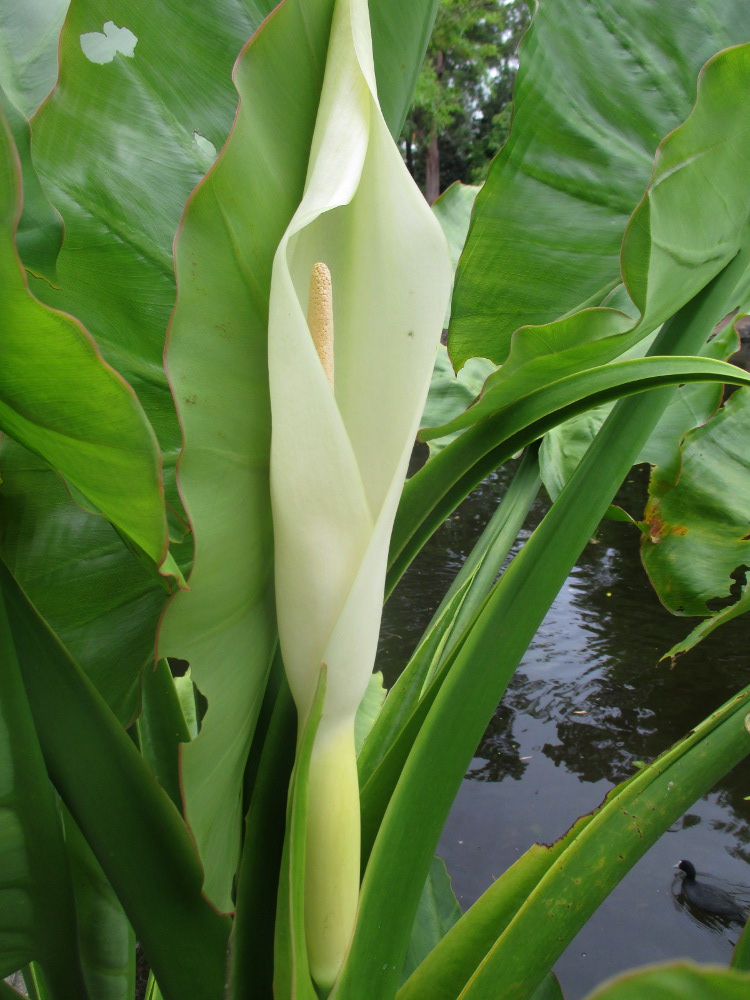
(432, 158)
(432, 169)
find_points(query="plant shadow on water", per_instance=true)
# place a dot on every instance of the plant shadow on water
(589, 701)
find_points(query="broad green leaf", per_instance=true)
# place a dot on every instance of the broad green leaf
(453, 211)
(59, 399)
(676, 981)
(400, 33)
(438, 912)
(37, 912)
(120, 182)
(450, 394)
(107, 942)
(439, 486)
(128, 821)
(697, 525)
(692, 405)
(379, 288)
(39, 232)
(217, 361)
(106, 611)
(690, 224)
(29, 31)
(548, 224)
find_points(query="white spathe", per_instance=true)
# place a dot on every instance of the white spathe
(338, 459)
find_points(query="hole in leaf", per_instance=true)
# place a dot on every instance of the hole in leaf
(102, 46)
(206, 148)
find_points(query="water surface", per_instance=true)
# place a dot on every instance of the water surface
(588, 702)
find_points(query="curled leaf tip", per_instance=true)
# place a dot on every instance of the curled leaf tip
(320, 316)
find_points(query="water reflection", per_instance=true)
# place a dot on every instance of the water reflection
(588, 703)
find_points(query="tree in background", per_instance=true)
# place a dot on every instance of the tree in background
(461, 111)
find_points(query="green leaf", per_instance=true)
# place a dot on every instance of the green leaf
(436, 489)
(548, 989)
(741, 954)
(369, 709)
(676, 981)
(28, 67)
(39, 233)
(453, 211)
(105, 613)
(120, 182)
(400, 33)
(133, 829)
(682, 234)
(697, 525)
(291, 972)
(581, 153)
(107, 941)
(450, 394)
(58, 398)
(399, 721)
(692, 405)
(162, 729)
(224, 626)
(252, 952)
(37, 912)
(438, 911)
(708, 625)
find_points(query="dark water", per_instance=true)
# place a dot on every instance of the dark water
(588, 701)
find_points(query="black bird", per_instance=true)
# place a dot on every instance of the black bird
(709, 898)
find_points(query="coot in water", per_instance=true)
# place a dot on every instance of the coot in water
(709, 898)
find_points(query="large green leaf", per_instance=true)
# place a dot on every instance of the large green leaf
(39, 232)
(436, 489)
(135, 832)
(692, 405)
(95, 593)
(548, 224)
(692, 220)
(37, 912)
(120, 181)
(438, 912)
(676, 981)
(106, 939)
(28, 49)
(451, 394)
(59, 399)
(698, 518)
